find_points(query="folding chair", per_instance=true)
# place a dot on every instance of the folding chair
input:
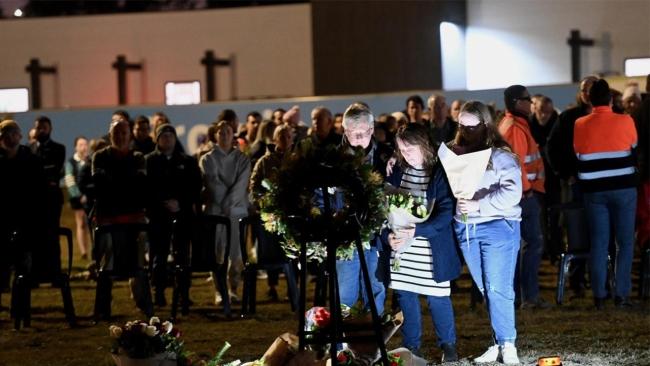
(201, 257)
(578, 245)
(119, 253)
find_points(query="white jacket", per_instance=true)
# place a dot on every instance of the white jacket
(225, 181)
(499, 192)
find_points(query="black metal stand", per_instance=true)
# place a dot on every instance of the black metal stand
(335, 331)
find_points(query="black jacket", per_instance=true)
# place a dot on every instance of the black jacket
(120, 183)
(52, 155)
(559, 145)
(176, 178)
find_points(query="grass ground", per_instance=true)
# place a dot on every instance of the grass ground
(574, 331)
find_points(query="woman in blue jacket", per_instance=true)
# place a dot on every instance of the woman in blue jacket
(431, 260)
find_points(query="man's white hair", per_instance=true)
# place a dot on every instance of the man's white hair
(357, 114)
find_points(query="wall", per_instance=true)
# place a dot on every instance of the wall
(379, 46)
(525, 41)
(272, 46)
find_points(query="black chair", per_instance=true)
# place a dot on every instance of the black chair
(644, 278)
(578, 245)
(119, 254)
(270, 256)
(201, 257)
(21, 291)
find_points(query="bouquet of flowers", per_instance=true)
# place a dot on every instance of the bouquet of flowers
(157, 342)
(404, 211)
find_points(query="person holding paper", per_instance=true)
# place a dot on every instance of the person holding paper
(485, 177)
(429, 262)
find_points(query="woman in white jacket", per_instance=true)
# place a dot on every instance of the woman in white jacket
(487, 226)
(226, 171)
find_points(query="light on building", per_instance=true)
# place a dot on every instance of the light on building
(452, 51)
(638, 66)
(14, 100)
(18, 13)
(182, 92)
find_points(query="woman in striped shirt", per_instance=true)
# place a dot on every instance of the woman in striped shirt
(431, 260)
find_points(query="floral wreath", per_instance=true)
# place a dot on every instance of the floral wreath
(293, 205)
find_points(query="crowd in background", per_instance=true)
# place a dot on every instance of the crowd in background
(591, 154)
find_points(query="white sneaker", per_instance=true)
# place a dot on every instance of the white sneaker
(217, 299)
(490, 355)
(509, 354)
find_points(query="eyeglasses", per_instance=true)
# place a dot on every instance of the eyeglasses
(358, 135)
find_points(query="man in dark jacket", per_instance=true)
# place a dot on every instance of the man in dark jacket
(174, 189)
(23, 185)
(559, 146)
(47, 257)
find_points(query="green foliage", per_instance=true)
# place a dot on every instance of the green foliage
(288, 208)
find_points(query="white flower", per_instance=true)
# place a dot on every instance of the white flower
(115, 331)
(154, 320)
(167, 327)
(150, 330)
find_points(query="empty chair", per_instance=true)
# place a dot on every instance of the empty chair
(270, 256)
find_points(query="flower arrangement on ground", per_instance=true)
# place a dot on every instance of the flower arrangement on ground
(154, 340)
(293, 205)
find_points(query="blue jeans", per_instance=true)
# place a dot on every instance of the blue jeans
(531, 231)
(350, 280)
(442, 314)
(619, 208)
(491, 257)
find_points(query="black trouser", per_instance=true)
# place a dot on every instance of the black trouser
(168, 233)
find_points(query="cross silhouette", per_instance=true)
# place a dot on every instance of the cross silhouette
(35, 70)
(210, 62)
(575, 42)
(122, 66)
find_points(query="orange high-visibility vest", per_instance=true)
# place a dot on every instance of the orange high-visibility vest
(605, 144)
(516, 132)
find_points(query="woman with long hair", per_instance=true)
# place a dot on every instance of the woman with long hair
(428, 263)
(487, 226)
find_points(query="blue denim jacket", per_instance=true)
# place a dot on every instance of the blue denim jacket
(438, 229)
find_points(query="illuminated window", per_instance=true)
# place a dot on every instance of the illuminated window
(182, 92)
(13, 100)
(639, 66)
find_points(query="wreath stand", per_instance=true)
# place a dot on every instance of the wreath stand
(336, 329)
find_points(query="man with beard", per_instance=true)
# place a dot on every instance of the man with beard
(47, 257)
(515, 130)
(358, 130)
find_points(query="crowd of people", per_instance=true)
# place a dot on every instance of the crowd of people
(593, 154)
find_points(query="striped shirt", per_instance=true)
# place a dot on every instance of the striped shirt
(604, 143)
(415, 273)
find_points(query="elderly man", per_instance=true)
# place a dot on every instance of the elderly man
(358, 128)
(443, 128)
(323, 132)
